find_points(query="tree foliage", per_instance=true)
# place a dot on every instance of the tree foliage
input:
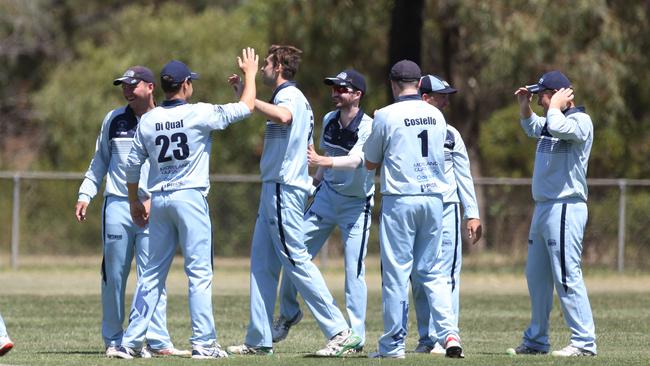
(60, 56)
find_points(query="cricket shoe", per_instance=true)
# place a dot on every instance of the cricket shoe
(245, 349)
(438, 349)
(379, 355)
(111, 351)
(339, 344)
(170, 351)
(354, 351)
(281, 326)
(571, 351)
(200, 352)
(522, 349)
(124, 352)
(5, 345)
(453, 349)
(423, 348)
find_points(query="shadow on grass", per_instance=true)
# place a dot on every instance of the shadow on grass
(71, 352)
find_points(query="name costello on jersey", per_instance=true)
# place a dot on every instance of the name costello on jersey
(419, 121)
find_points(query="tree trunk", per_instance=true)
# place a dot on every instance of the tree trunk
(405, 34)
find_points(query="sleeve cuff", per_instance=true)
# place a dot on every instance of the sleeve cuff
(84, 198)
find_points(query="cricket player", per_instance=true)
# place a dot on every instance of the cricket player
(5, 343)
(564, 138)
(436, 91)
(176, 136)
(122, 238)
(407, 140)
(343, 199)
(279, 239)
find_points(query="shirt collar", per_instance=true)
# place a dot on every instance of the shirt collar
(286, 84)
(173, 102)
(573, 110)
(403, 98)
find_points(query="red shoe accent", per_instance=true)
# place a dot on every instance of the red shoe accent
(6, 348)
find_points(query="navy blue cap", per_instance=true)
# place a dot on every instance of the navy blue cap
(348, 77)
(435, 84)
(134, 75)
(178, 71)
(405, 70)
(552, 80)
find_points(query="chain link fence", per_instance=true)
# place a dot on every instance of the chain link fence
(37, 218)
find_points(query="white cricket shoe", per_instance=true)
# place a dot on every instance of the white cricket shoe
(281, 326)
(144, 353)
(453, 349)
(571, 351)
(5, 345)
(438, 349)
(244, 349)
(124, 352)
(339, 344)
(111, 351)
(199, 352)
(171, 351)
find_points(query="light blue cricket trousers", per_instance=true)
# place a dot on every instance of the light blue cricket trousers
(177, 218)
(410, 236)
(3, 329)
(278, 243)
(447, 265)
(554, 260)
(352, 215)
(123, 240)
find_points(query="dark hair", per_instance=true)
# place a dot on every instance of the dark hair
(403, 84)
(288, 57)
(168, 84)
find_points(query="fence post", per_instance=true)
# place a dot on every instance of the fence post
(622, 185)
(15, 222)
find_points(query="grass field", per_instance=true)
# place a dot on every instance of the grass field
(52, 311)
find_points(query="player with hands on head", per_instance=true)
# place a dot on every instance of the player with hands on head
(407, 141)
(122, 237)
(343, 198)
(176, 137)
(436, 91)
(278, 238)
(564, 139)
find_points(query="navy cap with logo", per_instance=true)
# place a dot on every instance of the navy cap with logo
(134, 75)
(435, 84)
(178, 71)
(552, 80)
(405, 70)
(348, 77)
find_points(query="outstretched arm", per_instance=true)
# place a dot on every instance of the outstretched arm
(248, 63)
(274, 112)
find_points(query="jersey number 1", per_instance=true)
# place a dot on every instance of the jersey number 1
(424, 143)
(182, 151)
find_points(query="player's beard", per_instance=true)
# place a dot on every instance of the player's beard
(269, 80)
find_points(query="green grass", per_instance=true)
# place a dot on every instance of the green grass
(61, 326)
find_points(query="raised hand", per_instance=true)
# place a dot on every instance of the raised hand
(561, 99)
(235, 81)
(248, 62)
(524, 97)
